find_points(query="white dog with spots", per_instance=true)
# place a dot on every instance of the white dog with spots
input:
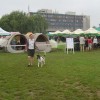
(41, 60)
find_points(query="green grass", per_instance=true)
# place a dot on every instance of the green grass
(64, 77)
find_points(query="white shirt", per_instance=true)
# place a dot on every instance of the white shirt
(95, 40)
(31, 44)
(82, 40)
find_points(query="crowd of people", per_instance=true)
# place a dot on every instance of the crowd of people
(82, 43)
(87, 43)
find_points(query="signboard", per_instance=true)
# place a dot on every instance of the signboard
(69, 44)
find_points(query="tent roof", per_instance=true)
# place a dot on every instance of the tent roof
(3, 32)
(91, 30)
(66, 31)
(78, 31)
(58, 32)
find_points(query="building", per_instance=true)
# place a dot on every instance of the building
(61, 22)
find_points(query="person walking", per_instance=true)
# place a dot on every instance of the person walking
(31, 49)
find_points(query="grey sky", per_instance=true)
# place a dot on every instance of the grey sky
(86, 7)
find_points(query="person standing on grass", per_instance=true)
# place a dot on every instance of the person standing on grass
(90, 42)
(82, 43)
(95, 42)
(86, 43)
(31, 49)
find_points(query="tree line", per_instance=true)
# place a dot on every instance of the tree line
(18, 21)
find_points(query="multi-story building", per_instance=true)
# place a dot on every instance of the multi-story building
(61, 22)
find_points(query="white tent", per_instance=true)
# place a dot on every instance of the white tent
(78, 31)
(3, 32)
(91, 30)
(66, 31)
(57, 32)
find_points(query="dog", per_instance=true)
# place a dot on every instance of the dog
(41, 60)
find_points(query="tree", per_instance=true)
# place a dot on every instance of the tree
(40, 24)
(4, 23)
(19, 21)
(16, 21)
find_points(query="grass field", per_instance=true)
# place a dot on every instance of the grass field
(64, 77)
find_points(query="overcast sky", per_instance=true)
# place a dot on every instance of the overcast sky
(86, 7)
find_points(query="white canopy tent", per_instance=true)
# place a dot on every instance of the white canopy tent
(91, 30)
(3, 32)
(57, 32)
(66, 31)
(78, 31)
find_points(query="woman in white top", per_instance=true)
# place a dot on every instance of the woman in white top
(31, 49)
(82, 43)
